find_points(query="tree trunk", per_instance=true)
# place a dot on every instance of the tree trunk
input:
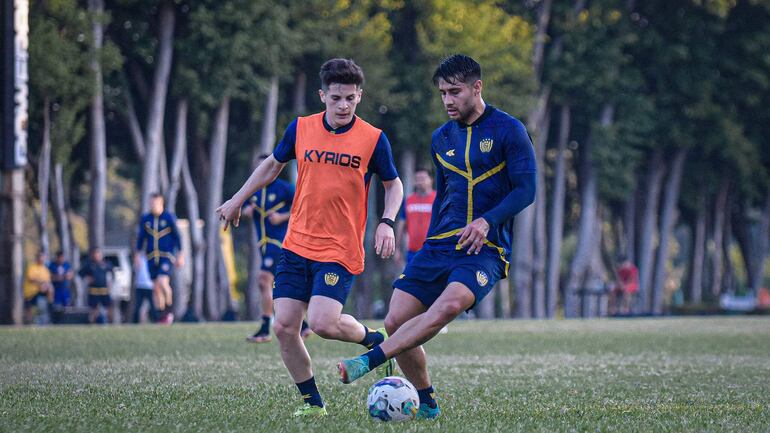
(543, 17)
(728, 277)
(587, 223)
(154, 132)
(540, 252)
(98, 160)
(213, 200)
(163, 177)
(556, 219)
(758, 264)
(195, 308)
(522, 262)
(180, 152)
(505, 298)
(299, 105)
(60, 211)
(717, 262)
(11, 246)
(132, 120)
(629, 227)
(44, 176)
(668, 218)
(698, 250)
(270, 114)
(649, 223)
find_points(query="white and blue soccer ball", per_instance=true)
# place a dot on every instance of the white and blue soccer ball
(393, 399)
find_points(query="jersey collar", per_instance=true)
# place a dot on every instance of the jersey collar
(341, 129)
(487, 111)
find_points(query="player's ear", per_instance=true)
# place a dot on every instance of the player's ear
(322, 95)
(360, 93)
(478, 86)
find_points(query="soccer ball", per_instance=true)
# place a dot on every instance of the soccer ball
(393, 399)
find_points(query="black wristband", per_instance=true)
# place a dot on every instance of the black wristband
(388, 221)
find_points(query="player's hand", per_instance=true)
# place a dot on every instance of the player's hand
(275, 218)
(179, 261)
(384, 241)
(230, 212)
(473, 235)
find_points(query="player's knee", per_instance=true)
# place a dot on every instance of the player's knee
(322, 327)
(392, 323)
(285, 330)
(447, 311)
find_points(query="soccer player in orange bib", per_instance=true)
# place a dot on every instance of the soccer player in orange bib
(337, 153)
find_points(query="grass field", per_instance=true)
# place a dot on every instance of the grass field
(608, 375)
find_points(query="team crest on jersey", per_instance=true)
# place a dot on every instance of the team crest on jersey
(268, 261)
(271, 197)
(163, 223)
(401, 277)
(486, 145)
(331, 279)
(450, 152)
(482, 278)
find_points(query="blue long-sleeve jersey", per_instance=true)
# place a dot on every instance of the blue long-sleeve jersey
(159, 236)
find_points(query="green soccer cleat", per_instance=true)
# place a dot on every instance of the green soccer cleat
(353, 369)
(427, 412)
(389, 367)
(308, 410)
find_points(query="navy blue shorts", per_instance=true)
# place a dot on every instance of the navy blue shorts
(95, 300)
(410, 255)
(160, 266)
(270, 258)
(430, 272)
(300, 278)
(32, 301)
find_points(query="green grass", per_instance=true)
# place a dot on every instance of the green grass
(606, 375)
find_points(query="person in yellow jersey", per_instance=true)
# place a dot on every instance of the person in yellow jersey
(37, 284)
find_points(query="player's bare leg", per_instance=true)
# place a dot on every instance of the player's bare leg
(157, 295)
(288, 320)
(455, 299)
(412, 362)
(324, 315)
(266, 280)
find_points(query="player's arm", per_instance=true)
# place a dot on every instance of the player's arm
(266, 172)
(177, 238)
(382, 164)
(277, 218)
(520, 164)
(141, 235)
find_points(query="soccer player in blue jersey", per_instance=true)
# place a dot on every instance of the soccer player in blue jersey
(159, 236)
(269, 208)
(485, 175)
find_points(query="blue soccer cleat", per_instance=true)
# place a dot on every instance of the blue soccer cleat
(351, 370)
(427, 412)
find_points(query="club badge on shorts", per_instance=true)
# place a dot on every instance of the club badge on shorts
(331, 279)
(482, 278)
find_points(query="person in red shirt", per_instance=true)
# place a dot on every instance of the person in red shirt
(414, 218)
(337, 153)
(627, 287)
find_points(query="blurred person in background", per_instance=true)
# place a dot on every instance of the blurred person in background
(159, 237)
(97, 274)
(414, 218)
(143, 287)
(61, 277)
(37, 286)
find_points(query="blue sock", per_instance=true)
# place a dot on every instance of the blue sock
(376, 357)
(427, 396)
(310, 393)
(372, 338)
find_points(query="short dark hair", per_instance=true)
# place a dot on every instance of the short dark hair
(264, 156)
(156, 195)
(59, 253)
(457, 68)
(341, 71)
(420, 168)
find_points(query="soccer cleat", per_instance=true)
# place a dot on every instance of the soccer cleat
(308, 410)
(353, 369)
(427, 412)
(389, 367)
(259, 338)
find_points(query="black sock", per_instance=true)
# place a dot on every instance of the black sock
(265, 327)
(376, 357)
(310, 393)
(427, 396)
(372, 338)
